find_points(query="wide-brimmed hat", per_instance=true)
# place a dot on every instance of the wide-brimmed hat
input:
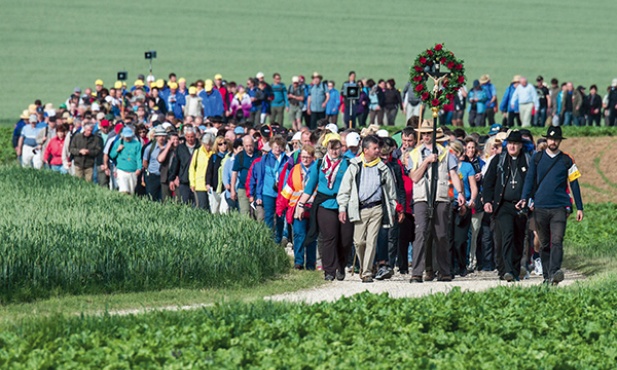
(554, 133)
(516, 78)
(370, 130)
(160, 131)
(514, 136)
(484, 79)
(440, 138)
(25, 114)
(426, 126)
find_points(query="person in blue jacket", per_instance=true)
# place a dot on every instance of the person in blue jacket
(509, 114)
(211, 100)
(477, 105)
(334, 103)
(272, 164)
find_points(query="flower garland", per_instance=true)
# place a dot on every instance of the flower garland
(425, 62)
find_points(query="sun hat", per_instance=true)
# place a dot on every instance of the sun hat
(516, 78)
(218, 76)
(382, 133)
(484, 79)
(118, 85)
(426, 126)
(25, 114)
(329, 137)
(160, 131)
(259, 75)
(192, 90)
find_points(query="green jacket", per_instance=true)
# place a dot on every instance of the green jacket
(79, 142)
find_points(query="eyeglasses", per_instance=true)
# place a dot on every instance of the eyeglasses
(222, 144)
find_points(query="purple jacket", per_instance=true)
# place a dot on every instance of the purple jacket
(361, 108)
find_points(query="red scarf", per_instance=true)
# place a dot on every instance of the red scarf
(330, 169)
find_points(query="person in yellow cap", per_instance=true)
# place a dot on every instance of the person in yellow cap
(160, 83)
(193, 104)
(98, 86)
(218, 84)
(212, 100)
(182, 89)
(175, 102)
(325, 176)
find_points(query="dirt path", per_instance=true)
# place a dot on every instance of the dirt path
(399, 287)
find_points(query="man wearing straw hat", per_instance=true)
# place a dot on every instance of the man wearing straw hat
(419, 164)
(491, 94)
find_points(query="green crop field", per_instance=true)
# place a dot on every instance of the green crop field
(51, 46)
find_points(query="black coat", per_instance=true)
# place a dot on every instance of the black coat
(496, 178)
(179, 166)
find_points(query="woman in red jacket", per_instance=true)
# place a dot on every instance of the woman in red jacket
(53, 152)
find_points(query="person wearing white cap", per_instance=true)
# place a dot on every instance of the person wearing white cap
(382, 133)
(332, 128)
(295, 96)
(352, 141)
(27, 147)
(152, 166)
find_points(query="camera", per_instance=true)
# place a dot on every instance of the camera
(351, 91)
(122, 76)
(150, 54)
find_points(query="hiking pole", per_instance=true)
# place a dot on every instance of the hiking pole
(355, 258)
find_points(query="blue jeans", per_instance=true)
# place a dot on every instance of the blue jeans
(59, 168)
(300, 227)
(567, 118)
(540, 117)
(271, 219)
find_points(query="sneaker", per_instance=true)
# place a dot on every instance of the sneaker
(298, 267)
(526, 276)
(381, 273)
(508, 277)
(537, 267)
(367, 279)
(415, 279)
(329, 277)
(557, 277)
(340, 275)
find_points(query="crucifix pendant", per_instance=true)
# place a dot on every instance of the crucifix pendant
(513, 183)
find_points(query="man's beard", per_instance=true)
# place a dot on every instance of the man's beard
(553, 147)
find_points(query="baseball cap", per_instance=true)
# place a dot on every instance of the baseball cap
(239, 131)
(160, 83)
(192, 90)
(138, 83)
(100, 116)
(181, 80)
(218, 76)
(495, 128)
(77, 90)
(99, 82)
(295, 79)
(172, 85)
(382, 133)
(118, 85)
(104, 123)
(332, 128)
(208, 85)
(127, 132)
(259, 75)
(33, 118)
(352, 139)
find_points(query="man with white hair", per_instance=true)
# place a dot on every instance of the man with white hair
(612, 103)
(527, 98)
(240, 170)
(179, 166)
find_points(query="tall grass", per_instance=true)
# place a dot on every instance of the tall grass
(60, 235)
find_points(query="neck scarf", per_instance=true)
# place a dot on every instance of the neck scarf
(330, 169)
(372, 163)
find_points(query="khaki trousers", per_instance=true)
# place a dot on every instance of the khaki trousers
(365, 237)
(84, 173)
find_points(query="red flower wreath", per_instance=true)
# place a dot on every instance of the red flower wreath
(418, 76)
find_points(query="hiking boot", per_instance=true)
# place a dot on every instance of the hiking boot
(415, 279)
(340, 275)
(367, 279)
(558, 277)
(508, 277)
(444, 278)
(429, 276)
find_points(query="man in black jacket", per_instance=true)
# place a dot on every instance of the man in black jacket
(503, 187)
(612, 103)
(178, 174)
(84, 148)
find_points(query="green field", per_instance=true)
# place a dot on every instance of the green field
(51, 46)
